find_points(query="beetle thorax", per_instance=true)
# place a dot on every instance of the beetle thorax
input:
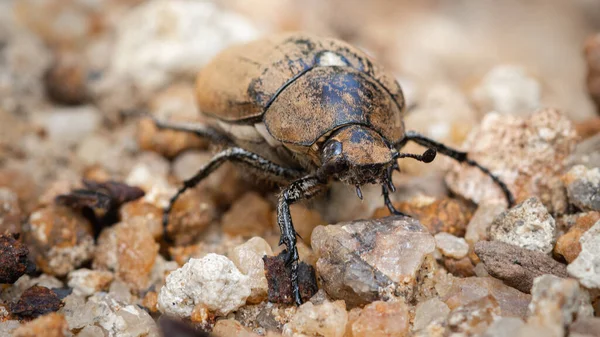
(356, 155)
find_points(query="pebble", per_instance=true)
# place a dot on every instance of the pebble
(583, 187)
(517, 266)
(588, 127)
(65, 80)
(51, 325)
(20, 182)
(68, 24)
(86, 282)
(279, 279)
(428, 312)
(34, 302)
(13, 258)
(249, 215)
(462, 267)
(111, 154)
(504, 327)
(8, 327)
(507, 89)
(584, 266)
(527, 225)
(160, 270)
(436, 214)
(10, 212)
(129, 250)
(24, 60)
(587, 153)
(248, 258)
(382, 319)
(358, 259)
(120, 291)
(91, 331)
(478, 227)
(13, 293)
(556, 302)
(197, 30)
(528, 154)
(187, 163)
(68, 125)
(191, 215)
(115, 318)
(168, 143)
(568, 245)
(59, 239)
(327, 319)
(444, 114)
(451, 246)
(585, 327)
(232, 328)
(176, 103)
(145, 212)
(461, 291)
(152, 178)
(222, 246)
(213, 281)
(473, 318)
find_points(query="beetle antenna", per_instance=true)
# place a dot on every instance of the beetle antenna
(427, 157)
(359, 192)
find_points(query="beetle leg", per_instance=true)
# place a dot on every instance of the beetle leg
(200, 130)
(388, 202)
(304, 188)
(460, 156)
(234, 154)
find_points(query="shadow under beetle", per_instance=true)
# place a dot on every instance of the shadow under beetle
(300, 110)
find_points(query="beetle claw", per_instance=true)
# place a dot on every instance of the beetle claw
(290, 256)
(391, 186)
(359, 192)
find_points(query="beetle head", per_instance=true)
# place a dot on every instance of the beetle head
(356, 155)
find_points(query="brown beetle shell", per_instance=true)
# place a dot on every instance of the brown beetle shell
(326, 98)
(239, 83)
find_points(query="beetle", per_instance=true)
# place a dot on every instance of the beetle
(302, 110)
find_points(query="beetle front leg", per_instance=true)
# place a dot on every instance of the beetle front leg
(460, 156)
(388, 202)
(234, 154)
(304, 188)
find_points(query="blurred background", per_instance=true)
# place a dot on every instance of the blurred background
(75, 74)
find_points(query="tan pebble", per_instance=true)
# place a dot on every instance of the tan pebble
(166, 142)
(382, 319)
(51, 325)
(249, 215)
(438, 215)
(128, 249)
(568, 245)
(150, 301)
(59, 239)
(232, 328)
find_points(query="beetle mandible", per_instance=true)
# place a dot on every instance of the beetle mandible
(302, 110)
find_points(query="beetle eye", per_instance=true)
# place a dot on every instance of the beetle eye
(334, 148)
